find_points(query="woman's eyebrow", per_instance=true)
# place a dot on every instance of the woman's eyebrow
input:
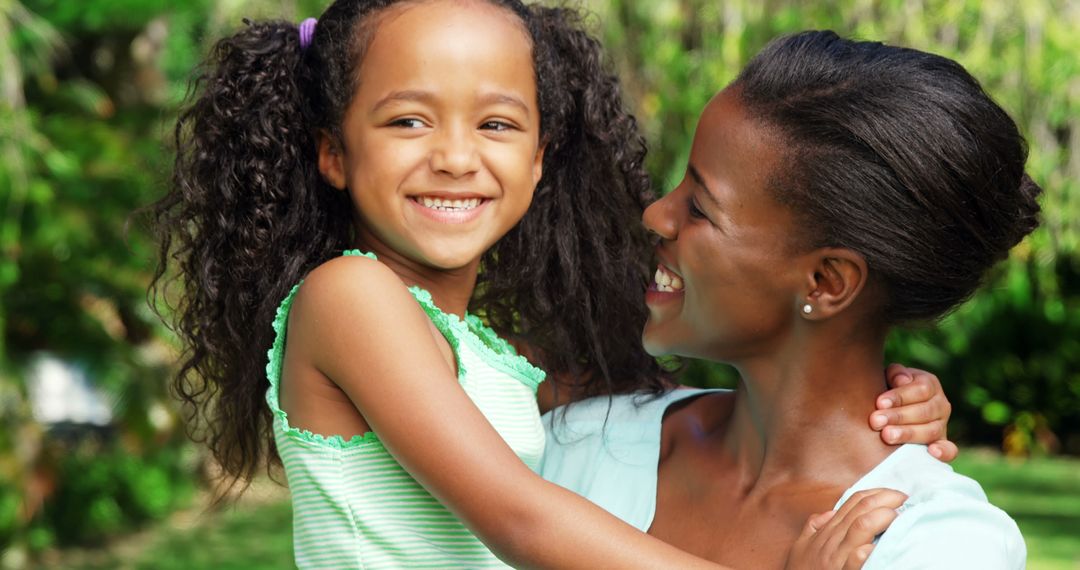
(696, 177)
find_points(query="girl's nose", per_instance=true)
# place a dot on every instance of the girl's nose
(455, 153)
(660, 217)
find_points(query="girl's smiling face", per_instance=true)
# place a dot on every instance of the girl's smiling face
(441, 143)
(728, 285)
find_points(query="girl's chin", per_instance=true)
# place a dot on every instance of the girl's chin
(452, 258)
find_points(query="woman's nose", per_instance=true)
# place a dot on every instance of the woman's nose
(660, 217)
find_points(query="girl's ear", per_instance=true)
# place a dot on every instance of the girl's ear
(837, 278)
(538, 162)
(331, 160)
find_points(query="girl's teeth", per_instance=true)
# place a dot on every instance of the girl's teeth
(448, 205)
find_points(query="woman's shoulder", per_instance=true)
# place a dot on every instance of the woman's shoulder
(632, 407)
(944, 528)
(947, 521)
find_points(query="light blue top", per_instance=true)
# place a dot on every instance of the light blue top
(611, 457)
(946, 521)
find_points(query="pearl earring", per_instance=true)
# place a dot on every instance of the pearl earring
(807, 309)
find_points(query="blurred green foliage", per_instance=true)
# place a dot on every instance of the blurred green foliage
(107, 491)
(1009, 358)
(88, 91)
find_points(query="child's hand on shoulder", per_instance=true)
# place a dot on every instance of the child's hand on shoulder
(914, 410)
(844, 538)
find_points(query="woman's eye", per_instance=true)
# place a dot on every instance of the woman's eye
(407, 123)
(695, 212)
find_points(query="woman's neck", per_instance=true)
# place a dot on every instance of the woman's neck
(801, 414)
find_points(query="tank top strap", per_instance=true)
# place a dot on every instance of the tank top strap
(493, 349)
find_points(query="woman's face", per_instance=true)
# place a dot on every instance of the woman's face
(727, 285)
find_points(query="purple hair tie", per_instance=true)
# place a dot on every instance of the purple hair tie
(307, 32)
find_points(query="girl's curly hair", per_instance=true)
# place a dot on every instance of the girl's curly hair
(248, 215)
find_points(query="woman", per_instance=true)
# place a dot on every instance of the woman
(789, 251)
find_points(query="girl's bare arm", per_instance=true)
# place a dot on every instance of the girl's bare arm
(364, 330)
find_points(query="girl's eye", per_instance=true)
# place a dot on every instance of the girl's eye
(496, 126)
(408, 123)
(695, 212)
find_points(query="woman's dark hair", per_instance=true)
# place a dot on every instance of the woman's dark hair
(248, 215)
(896, 154)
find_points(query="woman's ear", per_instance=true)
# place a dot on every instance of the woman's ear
(331, 160)
(836, 279)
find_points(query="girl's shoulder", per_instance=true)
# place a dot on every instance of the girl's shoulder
(351, 290)
(350, 278)
(352, 264)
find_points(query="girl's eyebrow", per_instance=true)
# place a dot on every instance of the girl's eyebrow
(408, 95)
(696, 177)
(428, 97)
(503, 99)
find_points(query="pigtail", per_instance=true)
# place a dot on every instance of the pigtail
(247, 215)
(569, 279)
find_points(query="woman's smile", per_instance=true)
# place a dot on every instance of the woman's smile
(667, 280)
(666, 287)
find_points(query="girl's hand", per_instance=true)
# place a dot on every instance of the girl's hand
(844, 538)
(915, 410)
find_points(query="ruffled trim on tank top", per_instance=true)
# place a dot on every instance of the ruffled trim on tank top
(275, 360)
(493, 349)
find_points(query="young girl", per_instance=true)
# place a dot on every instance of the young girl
(418, 132)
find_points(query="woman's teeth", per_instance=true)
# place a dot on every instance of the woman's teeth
(667, 282)
(448, 205)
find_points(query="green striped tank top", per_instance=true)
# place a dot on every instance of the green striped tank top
(354, 506)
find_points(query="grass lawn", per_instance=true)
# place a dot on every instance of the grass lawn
(255, 534)
(1043, 495)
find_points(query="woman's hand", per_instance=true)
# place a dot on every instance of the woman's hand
(915, 410)
(844, 538)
